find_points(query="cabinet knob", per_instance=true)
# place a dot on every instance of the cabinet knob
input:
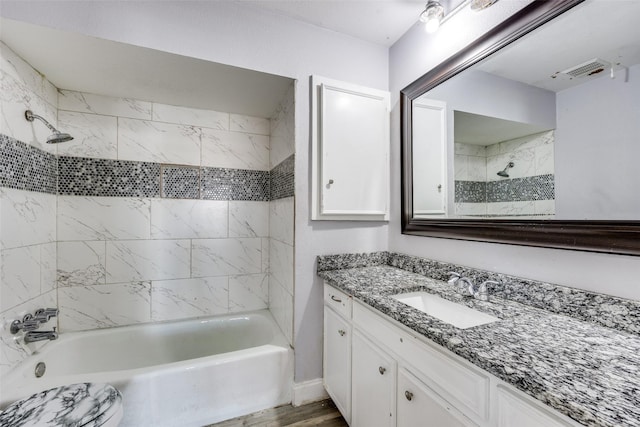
(382, 370)
(330, 181)
(408, 395)
(341, 332)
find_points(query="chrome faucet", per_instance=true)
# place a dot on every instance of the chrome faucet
(465, 286)
(34, 336)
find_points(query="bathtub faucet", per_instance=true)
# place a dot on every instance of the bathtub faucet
(33, 336)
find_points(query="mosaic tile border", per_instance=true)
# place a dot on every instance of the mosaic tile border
(24, 167)
(606, 310)
(539, 187)
(282, 179)
(29, 168)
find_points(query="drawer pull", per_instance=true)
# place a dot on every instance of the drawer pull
(341, 332)
(408, 395)
(382, 370)
(333, 297)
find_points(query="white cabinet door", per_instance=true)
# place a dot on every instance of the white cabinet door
(337, 361)
(374, 385)
(350, 138)
(429, 157)
(419, 406)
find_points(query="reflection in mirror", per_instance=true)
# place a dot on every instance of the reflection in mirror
(546, 128)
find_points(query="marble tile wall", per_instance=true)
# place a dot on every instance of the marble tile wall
(172, 219)
(529, 190)
(27, 200)
(281, 241)
(163, 259)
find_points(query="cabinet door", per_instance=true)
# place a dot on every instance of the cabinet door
(337, 361)
(419, 406)
(350, 138)
(373, 385)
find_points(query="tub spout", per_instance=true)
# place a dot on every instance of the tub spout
(33, 336)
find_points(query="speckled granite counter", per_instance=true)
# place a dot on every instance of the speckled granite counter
(562, 356)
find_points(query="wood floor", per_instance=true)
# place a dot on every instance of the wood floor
(322, 413)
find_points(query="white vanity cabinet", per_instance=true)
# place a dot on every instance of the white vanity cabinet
(337, 349)
(350, 148)
(381, 373)
(373, 385)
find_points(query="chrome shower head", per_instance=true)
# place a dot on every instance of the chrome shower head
(54, 138)
(503, 173)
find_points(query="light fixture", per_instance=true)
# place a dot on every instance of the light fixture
(432, 16)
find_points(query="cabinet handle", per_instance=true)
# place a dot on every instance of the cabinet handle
(341, 332)
(333, 297)
(330, 181)
(408, 395)
(382, 370)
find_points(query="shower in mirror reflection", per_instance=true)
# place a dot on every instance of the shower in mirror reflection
(56, 137)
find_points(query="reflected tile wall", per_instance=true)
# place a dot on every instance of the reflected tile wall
(93, 135)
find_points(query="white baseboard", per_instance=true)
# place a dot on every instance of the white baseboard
(308, 391)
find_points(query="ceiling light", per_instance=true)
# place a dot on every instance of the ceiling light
(432, 16)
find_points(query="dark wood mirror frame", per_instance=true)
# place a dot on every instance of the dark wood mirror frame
(615, 237)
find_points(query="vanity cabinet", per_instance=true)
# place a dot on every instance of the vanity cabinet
(350, 148)
(374, 385)
(381, 373)
(337, 349)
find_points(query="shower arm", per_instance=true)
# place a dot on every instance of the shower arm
(30, 117)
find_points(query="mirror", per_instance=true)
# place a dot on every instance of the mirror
(531, 134)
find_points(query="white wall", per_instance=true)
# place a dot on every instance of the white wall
(597, 139)
(231, 33)
(611, 274)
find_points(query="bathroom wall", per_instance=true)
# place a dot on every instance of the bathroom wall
(529, 190)
(235, 34)
(610, 274)
(281, 215)
(27, 200)
(603, 116)
(149, 228)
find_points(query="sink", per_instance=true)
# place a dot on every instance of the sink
(458, 315)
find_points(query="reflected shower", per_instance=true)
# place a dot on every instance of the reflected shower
(503, 173)
(54, 138)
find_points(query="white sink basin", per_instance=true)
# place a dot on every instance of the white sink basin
(457, 315)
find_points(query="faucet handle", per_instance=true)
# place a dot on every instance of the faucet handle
(45, 314)
(25, 325)
(453, 277)
(483, 292)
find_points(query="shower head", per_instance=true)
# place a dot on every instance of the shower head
(54, 138)
(503, 173)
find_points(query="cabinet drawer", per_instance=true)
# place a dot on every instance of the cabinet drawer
(337, 300)
(465, 387)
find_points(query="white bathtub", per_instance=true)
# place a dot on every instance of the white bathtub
(186, 373)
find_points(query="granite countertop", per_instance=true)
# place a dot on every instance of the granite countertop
(585, 370)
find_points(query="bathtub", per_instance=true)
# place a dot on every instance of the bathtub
(185, 373)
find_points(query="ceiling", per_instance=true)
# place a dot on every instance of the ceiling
(605, 29)
(104, 67)
(378, 21)
(477, 129)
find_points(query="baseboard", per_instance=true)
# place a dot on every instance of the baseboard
(308, 391)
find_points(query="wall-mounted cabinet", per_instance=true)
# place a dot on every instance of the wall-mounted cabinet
(350, 149)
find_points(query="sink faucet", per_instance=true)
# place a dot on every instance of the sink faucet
(466, 287)
(34, 336)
